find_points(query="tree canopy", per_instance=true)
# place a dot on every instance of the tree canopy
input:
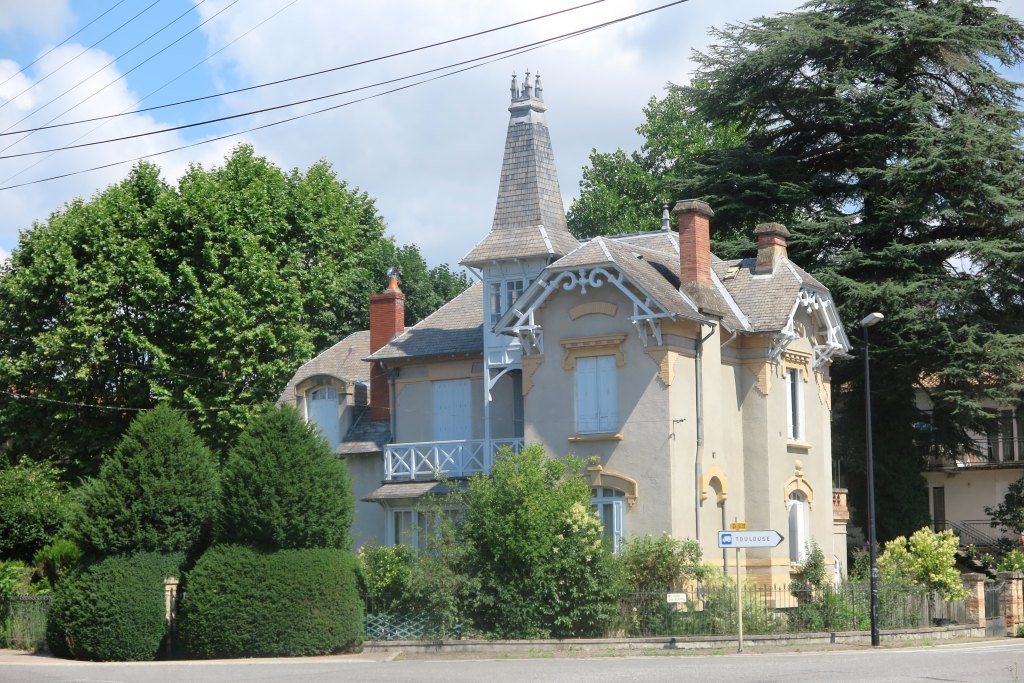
(882, 134)
(206, 295)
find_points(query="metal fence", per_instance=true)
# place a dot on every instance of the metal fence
(23, 621)
(783, 609)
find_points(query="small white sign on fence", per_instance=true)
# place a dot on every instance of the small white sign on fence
(676, 597)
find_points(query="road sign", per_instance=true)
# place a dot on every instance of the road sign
(749, 539)
(738, 526)
(676, 597)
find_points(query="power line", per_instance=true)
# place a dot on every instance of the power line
(522, 49)
(128, 109)
(112, 61)
(61, 43)
(146, 9)
(313, 73)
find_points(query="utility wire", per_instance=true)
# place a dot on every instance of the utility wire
(128, 109)
(513, 52)
(146, 9)
(112, 61)
(313, 73)
(22, 69)
(125, 74)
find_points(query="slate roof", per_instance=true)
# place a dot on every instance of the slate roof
(344, 360)
(529, 218)
(365, 436)
(455, 329)
(408, 489)
(767, 300)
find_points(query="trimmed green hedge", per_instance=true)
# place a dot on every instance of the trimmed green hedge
(242, 603)
(113, 610)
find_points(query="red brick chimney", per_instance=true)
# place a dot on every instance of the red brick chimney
(694, 219)
(771, 246)
(387, 321)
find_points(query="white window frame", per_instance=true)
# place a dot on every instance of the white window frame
(799, 536)
(315, 412)
(611, 501)
(418, 521)
(596, 395)
(794, 405)
(502, 294)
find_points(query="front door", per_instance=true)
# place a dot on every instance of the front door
(452, 410)
(939, 507)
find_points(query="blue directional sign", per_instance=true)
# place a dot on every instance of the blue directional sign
(749, 539)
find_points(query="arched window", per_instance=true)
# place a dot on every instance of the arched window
(798, 536)
(610, 506)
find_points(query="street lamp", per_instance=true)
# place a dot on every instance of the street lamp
(866, 323)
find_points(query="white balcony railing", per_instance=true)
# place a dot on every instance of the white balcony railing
(408, 461)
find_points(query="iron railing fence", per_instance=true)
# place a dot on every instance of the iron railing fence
(783, 609)
(23, 621)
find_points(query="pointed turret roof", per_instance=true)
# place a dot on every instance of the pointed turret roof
(529, 219)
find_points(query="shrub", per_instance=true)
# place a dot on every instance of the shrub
(927, 559)
(15, 578)
(32, 508)
(536, 551)
(156, 493)
(660, 563)
(386, 574)
(283, 488)
(239, 602)
(1013, 561)
(113, 610)
(54, 560)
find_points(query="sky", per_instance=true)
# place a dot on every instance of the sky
(430, 154)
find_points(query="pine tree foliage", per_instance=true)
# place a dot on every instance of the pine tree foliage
(282, 488)
(157, 492)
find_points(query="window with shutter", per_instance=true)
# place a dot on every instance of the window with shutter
(596, 395)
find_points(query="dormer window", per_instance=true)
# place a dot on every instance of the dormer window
(503, 294)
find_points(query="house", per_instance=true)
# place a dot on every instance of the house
(698, 388)
(962, 484)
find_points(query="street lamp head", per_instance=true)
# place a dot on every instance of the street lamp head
(871, 319)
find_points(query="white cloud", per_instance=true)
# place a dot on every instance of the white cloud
(42, 17)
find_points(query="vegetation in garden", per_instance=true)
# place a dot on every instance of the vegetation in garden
(926, 559)
(244, 603)
(32, 508)
(158, 491)
(113, 610)
(283, 488)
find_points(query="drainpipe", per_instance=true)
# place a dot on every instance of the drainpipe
(392, 375)
(698, 463)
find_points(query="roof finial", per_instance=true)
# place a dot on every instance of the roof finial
(538, 92)
(527, 88)
(515, 87)
(666, 220)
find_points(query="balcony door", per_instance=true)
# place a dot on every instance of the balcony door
(453, 410)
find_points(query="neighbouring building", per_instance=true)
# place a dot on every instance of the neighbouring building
(699, 388)
(962, 484)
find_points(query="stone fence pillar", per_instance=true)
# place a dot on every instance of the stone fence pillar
(171, 596)
(975, 585)
(1011, 600)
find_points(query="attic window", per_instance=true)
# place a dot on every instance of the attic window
(731, 273)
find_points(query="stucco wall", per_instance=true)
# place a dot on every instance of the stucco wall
(366, 473)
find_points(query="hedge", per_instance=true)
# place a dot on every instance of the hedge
(113, 610)
(239, 602)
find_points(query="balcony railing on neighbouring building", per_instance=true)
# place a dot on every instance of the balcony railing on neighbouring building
(986, 452)
(430, 459)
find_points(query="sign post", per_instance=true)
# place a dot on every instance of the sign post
(739, 538)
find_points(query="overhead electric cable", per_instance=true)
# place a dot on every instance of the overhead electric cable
(128, 109)
(125, 74)
(35, 83)
(61, 43)
(313, 73)
(531, 47)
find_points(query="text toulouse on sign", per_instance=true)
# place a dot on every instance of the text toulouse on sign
(749, 539)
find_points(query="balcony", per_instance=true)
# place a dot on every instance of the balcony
(840, 509)
(993, 452)
(431, 459)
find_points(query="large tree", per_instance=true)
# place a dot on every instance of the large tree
(207, 295)
(883, 135)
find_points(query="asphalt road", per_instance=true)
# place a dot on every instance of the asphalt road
(1000, 661)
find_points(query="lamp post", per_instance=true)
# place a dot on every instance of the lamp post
(865, 324)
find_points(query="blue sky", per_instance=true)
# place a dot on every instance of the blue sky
(430, 155)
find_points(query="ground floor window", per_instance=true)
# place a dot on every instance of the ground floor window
(412, 527)
(798, 537)
(609, 504)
